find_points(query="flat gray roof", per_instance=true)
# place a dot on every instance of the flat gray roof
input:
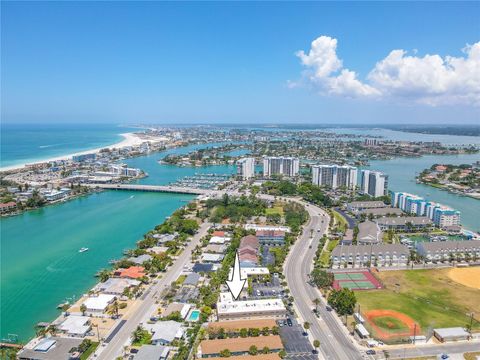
(452, 332)
(152, 352)
(53, 348)
(450, 245)
(367, 204)
(400, 221)
(382, 211)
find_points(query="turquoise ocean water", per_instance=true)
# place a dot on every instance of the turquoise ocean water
(26, 143)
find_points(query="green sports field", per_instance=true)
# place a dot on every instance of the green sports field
(429, 297)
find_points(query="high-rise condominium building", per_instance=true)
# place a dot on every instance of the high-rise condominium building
(246, 168)
(374, 183)
(334, 176)
(287, 166)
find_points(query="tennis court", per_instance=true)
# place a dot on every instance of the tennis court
(355, 280)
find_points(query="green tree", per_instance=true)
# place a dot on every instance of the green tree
(225, 353)
(83, 309)
(343, 301)
(253, 350)
(321, 278)
(316, 344)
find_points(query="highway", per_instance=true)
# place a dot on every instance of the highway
(151, 188)
(334, 342)
(114, 348)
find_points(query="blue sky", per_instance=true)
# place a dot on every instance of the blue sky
(237, 62)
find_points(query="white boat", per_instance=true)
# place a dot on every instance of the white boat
(83, 249)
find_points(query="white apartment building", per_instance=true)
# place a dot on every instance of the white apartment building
(287, 166)
(334, 176)
(373, 183)
(228, 309)
(246, 168)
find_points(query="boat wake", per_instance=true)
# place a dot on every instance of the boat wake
(48, 146)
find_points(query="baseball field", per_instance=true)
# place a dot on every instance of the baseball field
(421, 300)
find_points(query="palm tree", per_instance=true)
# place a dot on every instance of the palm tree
(306, 325)
(52, 329)
(317, 302)
(104, 275)
(316, 344)
(83, 309)
(113, 310)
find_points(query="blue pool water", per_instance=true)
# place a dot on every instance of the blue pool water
(194, 315)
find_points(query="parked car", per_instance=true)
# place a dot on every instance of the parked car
(289, 322)
(370, 352)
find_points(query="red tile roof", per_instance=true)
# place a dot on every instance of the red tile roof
(249, 240)
(8, 204)
(133, 272)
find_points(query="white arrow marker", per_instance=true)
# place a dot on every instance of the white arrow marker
(236, 283)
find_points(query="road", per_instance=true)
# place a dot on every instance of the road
(115, 347)
(410, 351)
(335, 343)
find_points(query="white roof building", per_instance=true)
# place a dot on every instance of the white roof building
(75, 325)
(116, 286)
(164, 332)
(99, 304)
(266, 227)
(227, 309)
(213, 258)
(251, 271)
(219, 240)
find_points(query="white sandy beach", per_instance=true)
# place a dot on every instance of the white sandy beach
(129, 139)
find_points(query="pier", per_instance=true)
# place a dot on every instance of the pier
(153, 188)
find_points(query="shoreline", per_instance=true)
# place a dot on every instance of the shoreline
(129, 139)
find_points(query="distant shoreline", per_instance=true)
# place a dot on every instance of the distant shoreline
(129, 139)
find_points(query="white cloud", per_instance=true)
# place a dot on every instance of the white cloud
(431, 79)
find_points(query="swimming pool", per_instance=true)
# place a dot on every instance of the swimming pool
(194, 315)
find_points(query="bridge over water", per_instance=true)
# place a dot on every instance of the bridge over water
(153, 188)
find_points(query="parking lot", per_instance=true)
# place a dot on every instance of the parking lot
(295, 343)
(267, 256)
(270, 289)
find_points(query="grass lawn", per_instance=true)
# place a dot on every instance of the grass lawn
(276, 209)
(89, 351)
(340, 221)
(429, 297)
(390, 324)
(331, 245)
(325, 259)
(181, 279)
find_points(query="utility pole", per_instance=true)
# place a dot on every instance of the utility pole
(414, 333)
(471, 323)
